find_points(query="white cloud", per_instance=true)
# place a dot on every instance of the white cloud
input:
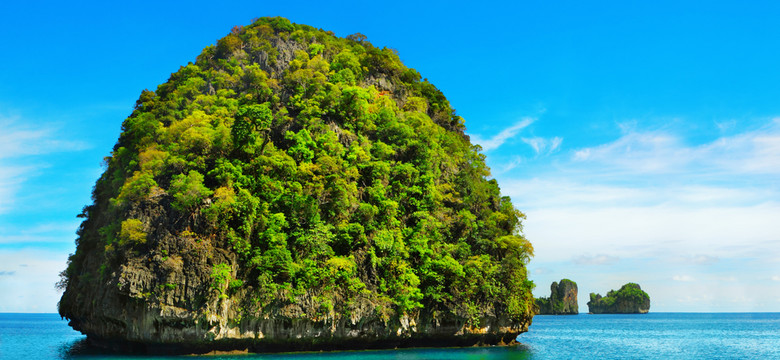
(709, 290)
(560, 233)
(663, 152)
(600, 259)
(543, 145)
(683, 278)
(693, 224)
(18, 139)
(649, 194)
(499, 139)
(725, 126)
(699, 259)
(514, 162)
(30, 288)
(587, 190)
(11, 179)
(541, 271)
(19, 145)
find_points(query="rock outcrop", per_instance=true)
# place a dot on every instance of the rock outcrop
(292, 190)
(562, 300)
(630, 299)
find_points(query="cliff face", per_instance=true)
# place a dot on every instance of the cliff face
(630, 299)
(562, 300)
(292, 190)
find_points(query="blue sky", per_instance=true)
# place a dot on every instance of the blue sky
(641, 140)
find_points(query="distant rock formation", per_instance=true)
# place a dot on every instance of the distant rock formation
(630, 299)
(562, 300)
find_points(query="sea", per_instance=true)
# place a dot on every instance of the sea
(647, 336)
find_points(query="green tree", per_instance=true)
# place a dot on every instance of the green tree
(188, 190)
(251, 122)
(132, 232)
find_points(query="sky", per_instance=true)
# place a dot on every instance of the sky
(641, 140)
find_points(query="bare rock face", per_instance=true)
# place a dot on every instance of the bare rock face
(291, 190)
(562, 300)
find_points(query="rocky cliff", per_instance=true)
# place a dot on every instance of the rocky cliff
(630, 299)
(292, 190)
(562, 300)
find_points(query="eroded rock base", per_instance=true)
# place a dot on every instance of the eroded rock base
(243, 346)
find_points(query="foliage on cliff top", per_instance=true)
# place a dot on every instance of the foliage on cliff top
(629, 293)
(321, 163)
(567, 282)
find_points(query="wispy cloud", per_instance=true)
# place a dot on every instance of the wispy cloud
(688, 217)
(600, 259)
(563, 233)
(542, 270)
(664, 152)
(499, 139)
(586, 189)
(32, 286)
(21, 139)
(696, 259)
(52, 232)
(544, 145)
(702, 259)
(651, 191)
(513, 163)
(21, 144)
(683, 278)
(11, 178)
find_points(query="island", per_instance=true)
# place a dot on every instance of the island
(630, 299)
(562, 300)
(294, 190)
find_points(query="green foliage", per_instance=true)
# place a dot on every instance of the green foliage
(632, 292)
(250, 121)
(188, 190)
(303, 148)
(342, 175)
(132, 232)
(346, 60)
(316, 49)
(630, 298)
(136, 188)
(221, 278)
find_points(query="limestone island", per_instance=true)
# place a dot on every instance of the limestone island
(630, 299)
(562, 300)
(294, 190)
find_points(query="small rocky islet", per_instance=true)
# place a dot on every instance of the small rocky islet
(294, 190)
(630, 299)
(562, 300)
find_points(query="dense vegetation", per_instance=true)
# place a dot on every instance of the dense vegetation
(629, 299)
(337, 172)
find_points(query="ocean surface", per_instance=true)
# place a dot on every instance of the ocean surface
(649, 336)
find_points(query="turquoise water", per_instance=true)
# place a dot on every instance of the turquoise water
(650, 336)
